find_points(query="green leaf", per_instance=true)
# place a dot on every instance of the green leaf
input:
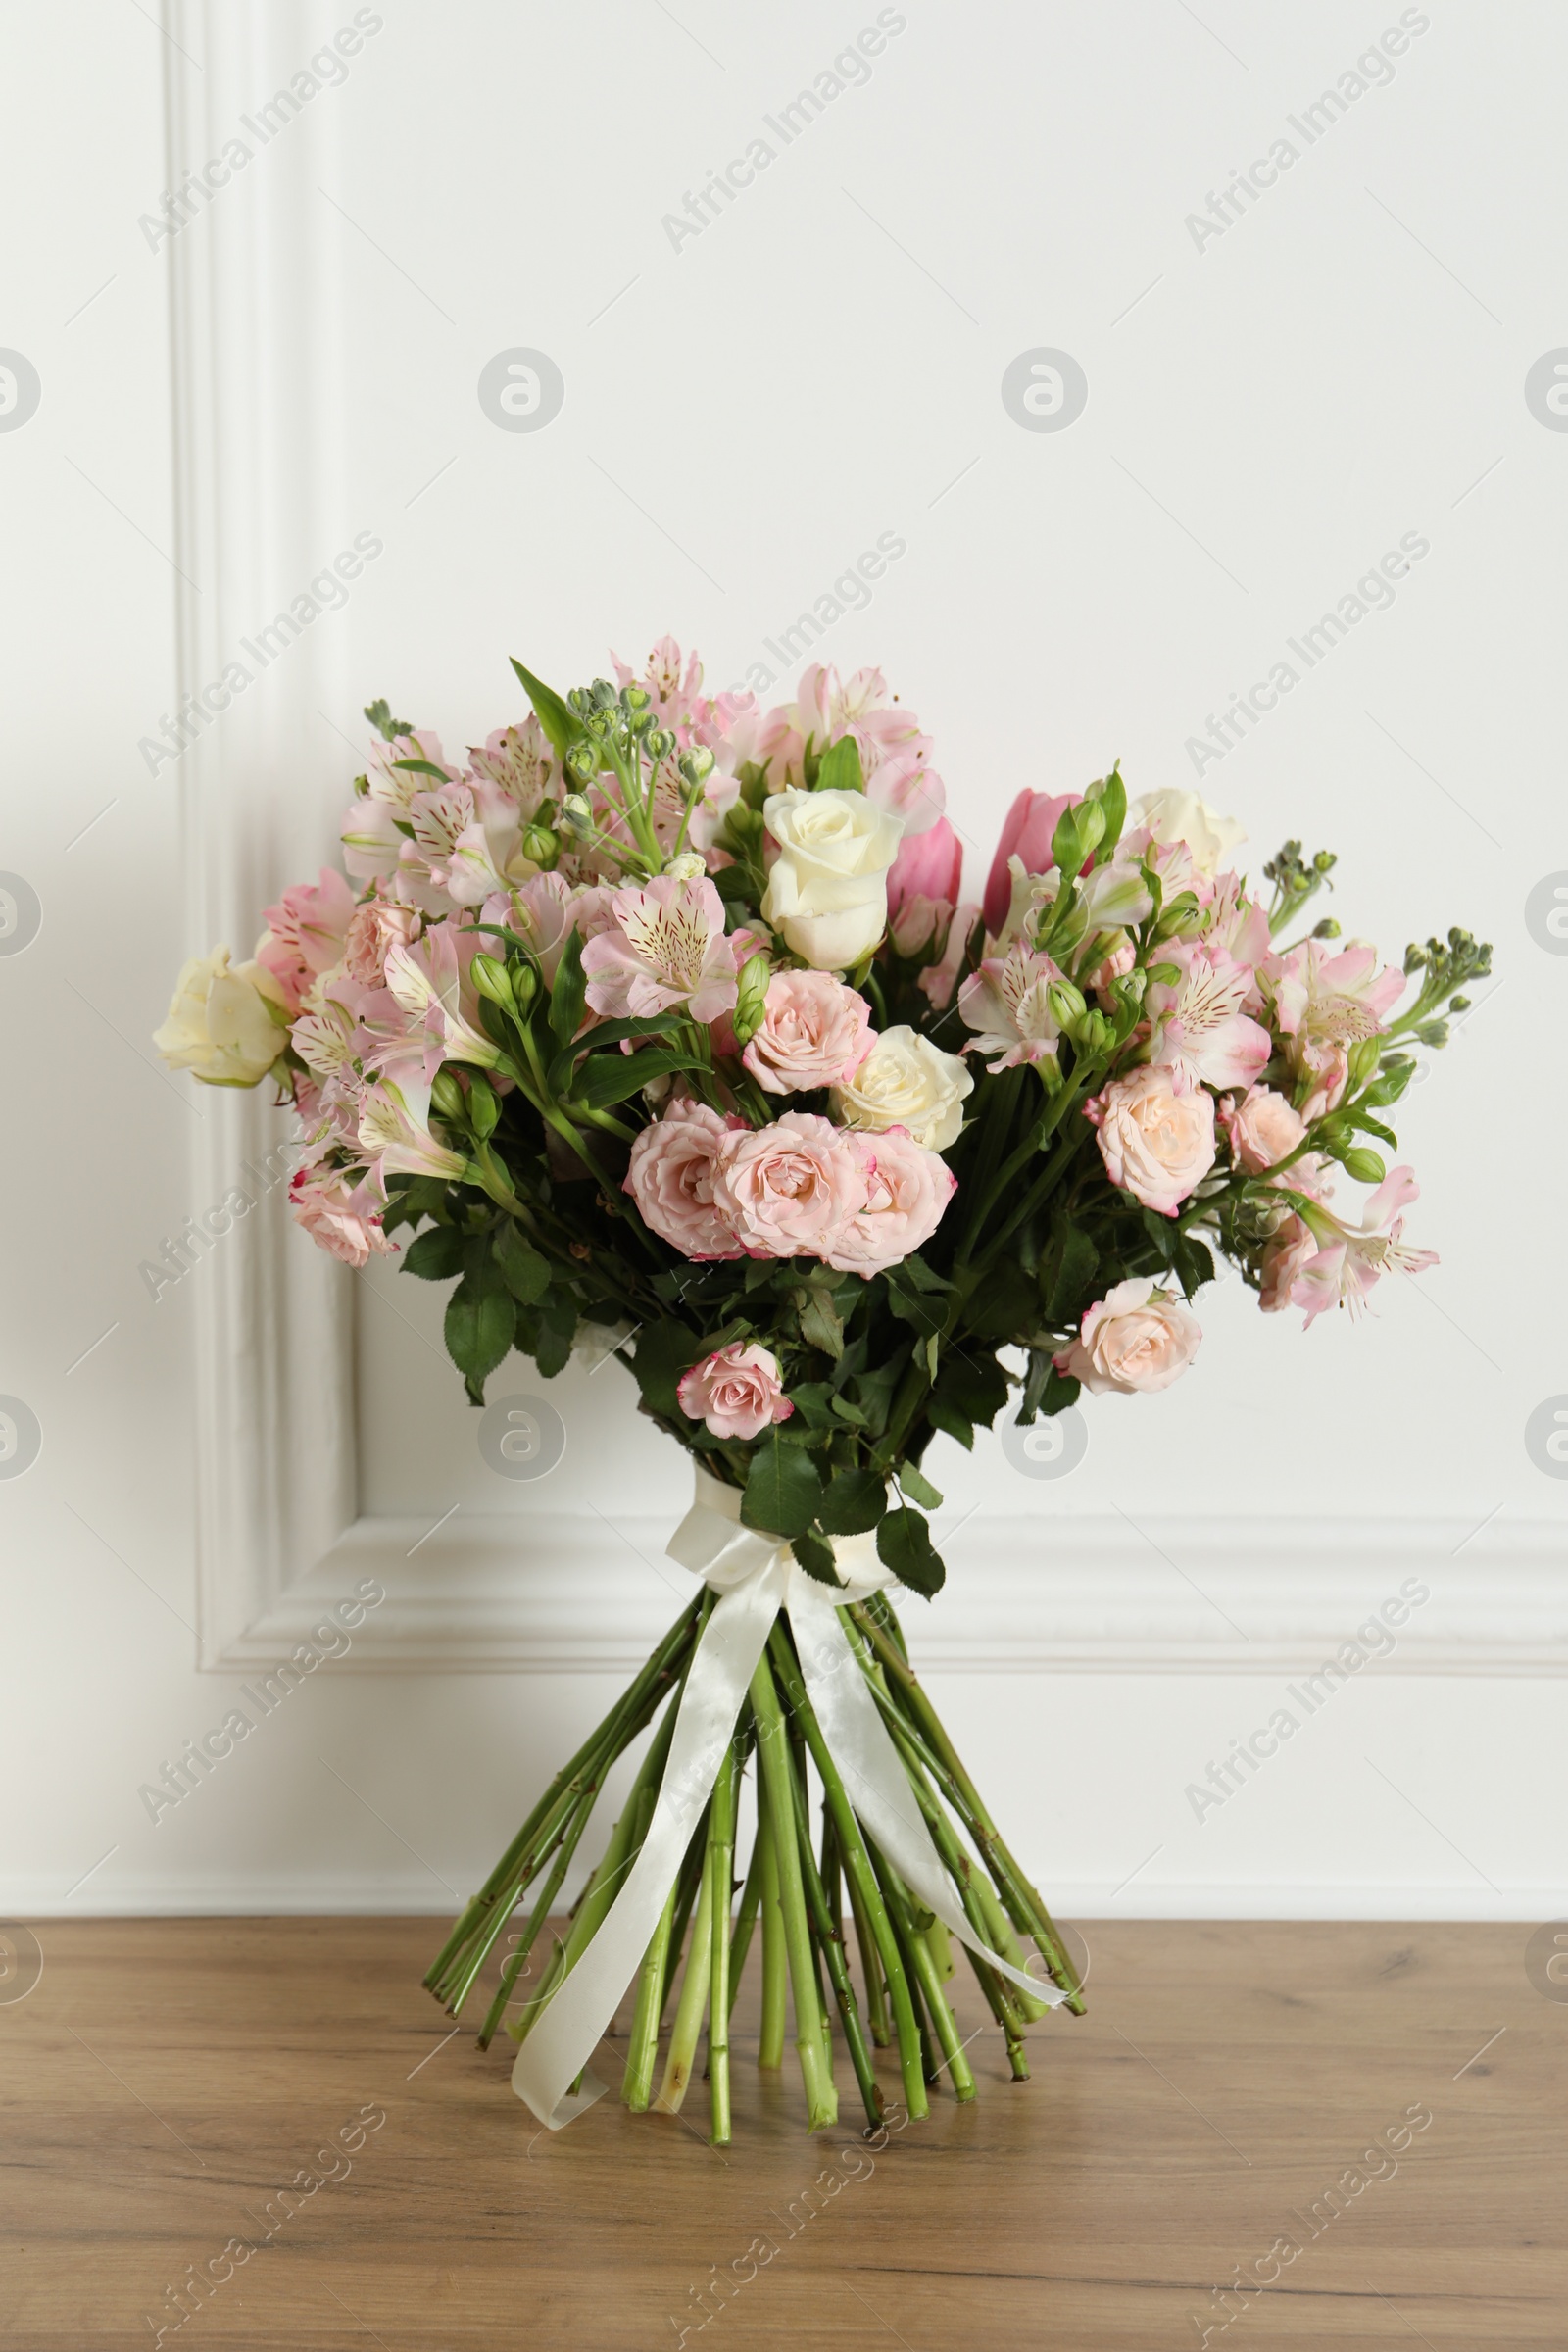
(606, 1078)
(942, 1416)
(554, 1350)
(379, 714)
(481, 1321)
(1161, 1231)
(816, 1404)
(605, 1033)
(1075, 1268)
(927, 1314)
(437, 1256)
(1111, 794)
(524, 1269)
(840, 767)
(974, 1385)
(1384, 1135)
(663, 1352)
(1194, 1264)
(917, 1485)
(1062, 1390)
(816, 1555)
(916, 1274)
(819, 1322)
(557, 717)
(903, 1544)
(424, 767)
(569, 995)
(783, 1489)
(852, 1505)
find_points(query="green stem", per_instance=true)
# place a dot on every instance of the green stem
(688, 2026)
(770, 2040)
(919, 1954)
(642, 2050)
(517, 1960)
(722, 1857)
(830, 1946)
(864, 1888)
(876, 1997)
(778, 1774)
(1028, 1910)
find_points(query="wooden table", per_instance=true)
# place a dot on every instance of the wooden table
(168, 2079)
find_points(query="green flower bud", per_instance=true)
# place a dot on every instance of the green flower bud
(1066, 1004)
(751, 1004)
(447, 1095)
(1365, 1165)
(524, 985)
(1092, 1034)
(484, 1105)
(491, 980)
(1328, 928)
(635, 697)
(1415, 957)
(582, 762)
(576, 816)
(541, 844)
(1363, 1060)
(603, 694)
(697, 765)
(660, 743)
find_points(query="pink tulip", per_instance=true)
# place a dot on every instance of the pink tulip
(1027, 834)
(928, 866)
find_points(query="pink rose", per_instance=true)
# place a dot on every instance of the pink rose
(907, 1190)
(1282, 1264)
(786, 1189)
(1137, 1338)
(1155, 1143)
(340, 1217)
(1026, 833)
(928, 866)
(735, 1392)
(1263, 1129)
(373, 929)
(670, 1178)
(815, 1032)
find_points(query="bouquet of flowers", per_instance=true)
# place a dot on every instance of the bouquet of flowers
(663, 1025)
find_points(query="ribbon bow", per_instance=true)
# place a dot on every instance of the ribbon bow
(755, 1576)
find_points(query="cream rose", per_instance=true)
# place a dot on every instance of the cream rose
(218, 1026)
(1138, 1338)
(1155, 1141)
(906, 1081)
(1173, 816)
(1264, 1128)
(827, 888)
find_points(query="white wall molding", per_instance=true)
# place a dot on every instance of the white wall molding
(559, 1592)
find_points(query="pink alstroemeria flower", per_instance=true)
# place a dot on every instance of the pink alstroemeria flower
(1348, 1259)
(305, 933)
(427, 981)
(1201, 1033)
(395, 1133)
(1006, 1001)
(666, 947)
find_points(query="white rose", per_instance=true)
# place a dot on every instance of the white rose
(827, 890)
(906, 1081)
(218, 1025)
(1172, 817)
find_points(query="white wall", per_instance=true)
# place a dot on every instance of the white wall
(743, 414)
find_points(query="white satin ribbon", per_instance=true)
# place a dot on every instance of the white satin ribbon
(755, 1576)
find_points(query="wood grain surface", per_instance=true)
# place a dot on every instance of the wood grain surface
(166, 2080)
